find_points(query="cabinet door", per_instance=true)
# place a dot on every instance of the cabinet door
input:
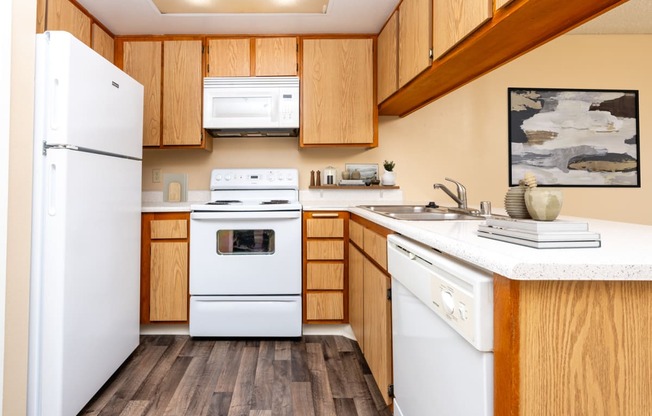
(229, 57)
(102, 43)
(356, 294)
(453, 20)
(414, 39)
(377, 326)
(276, 56)
(142, 60)
(183, 88)
(169, 281)
(375, 245)
(325, 306)
(338, 92)
(388, 58)
(63, 15)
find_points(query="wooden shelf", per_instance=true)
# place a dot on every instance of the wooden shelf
(356, 187)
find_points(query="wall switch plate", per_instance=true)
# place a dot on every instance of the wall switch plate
(156, 175)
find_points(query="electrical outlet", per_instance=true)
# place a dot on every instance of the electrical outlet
(156, 175)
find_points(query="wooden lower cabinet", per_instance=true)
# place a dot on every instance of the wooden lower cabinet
(572, 347)
(370, 309)
(325, 293)
(164, 267)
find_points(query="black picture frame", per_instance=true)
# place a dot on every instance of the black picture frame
(574, 137)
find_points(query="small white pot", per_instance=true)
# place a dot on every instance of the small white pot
(389, 178)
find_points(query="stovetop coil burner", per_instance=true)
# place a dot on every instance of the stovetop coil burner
(275, 202)
(225, 202)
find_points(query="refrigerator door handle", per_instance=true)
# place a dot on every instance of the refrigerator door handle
(54, 113)
(51, 181)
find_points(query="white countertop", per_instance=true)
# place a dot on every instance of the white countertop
(626, 252)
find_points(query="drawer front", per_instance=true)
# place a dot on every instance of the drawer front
(327, 276)
(325, 250)
(167, 229)
(375, 245)
(325, 227)
(325, 306)
(356, 233)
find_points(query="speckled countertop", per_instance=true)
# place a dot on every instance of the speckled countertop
(626, 252)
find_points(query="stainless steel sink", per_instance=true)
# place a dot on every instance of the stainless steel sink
(419, 213)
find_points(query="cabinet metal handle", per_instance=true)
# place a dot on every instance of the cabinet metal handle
(325, 215)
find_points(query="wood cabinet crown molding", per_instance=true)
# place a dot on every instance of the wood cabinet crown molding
(516, 28)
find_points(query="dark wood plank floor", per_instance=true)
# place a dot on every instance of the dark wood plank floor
(178, 375)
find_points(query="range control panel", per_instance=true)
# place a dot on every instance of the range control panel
(254, 179)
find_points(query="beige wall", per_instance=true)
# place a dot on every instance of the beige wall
(19, 208)
(464, 134)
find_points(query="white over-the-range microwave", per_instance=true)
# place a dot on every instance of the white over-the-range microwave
(251, 106)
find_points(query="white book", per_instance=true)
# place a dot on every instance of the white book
(537, 226)
(541, 244)
(541, 236)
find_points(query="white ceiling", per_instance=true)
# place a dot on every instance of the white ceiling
(635, 16)
(139, 17)
(136, 17)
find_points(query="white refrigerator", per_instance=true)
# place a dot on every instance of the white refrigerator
(84, 293)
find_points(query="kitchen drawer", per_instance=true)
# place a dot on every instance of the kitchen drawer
(168, 229)
(325, 227)
(325, 250)
(325, 306)
(325, 276)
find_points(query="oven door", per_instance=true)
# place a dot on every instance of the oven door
(245, 253)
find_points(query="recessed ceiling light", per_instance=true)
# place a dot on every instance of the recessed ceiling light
(241, 6)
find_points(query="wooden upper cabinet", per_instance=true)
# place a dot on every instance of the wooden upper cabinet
(414, 39)
(453, 20)
(338, 106)
(243, 57)
(63, 15)
(276, 56)
(142, 60)
(102, 43)
(229, 58)
(182, 98)
(388, 58)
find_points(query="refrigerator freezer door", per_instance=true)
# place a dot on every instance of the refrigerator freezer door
(85, 277)
(88, 101)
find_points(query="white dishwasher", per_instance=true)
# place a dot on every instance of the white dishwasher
(442, 319)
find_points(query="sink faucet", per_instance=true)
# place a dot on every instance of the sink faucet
(460, 198)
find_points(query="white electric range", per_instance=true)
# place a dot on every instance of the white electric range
(245, 255)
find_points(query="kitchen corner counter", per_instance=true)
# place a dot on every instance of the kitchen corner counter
(152, 201)
(625, 253)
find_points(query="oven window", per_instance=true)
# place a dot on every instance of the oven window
(245, 242)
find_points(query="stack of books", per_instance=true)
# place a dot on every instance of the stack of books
(540, 234)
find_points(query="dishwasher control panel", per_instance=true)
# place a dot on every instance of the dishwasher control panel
(458, 292)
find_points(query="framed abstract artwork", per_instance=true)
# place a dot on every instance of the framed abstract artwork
(573, 137)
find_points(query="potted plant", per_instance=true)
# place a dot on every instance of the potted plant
(389, 177)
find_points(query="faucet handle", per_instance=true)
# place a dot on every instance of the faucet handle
(461, 192)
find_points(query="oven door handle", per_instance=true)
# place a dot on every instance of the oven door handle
(262, 215)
